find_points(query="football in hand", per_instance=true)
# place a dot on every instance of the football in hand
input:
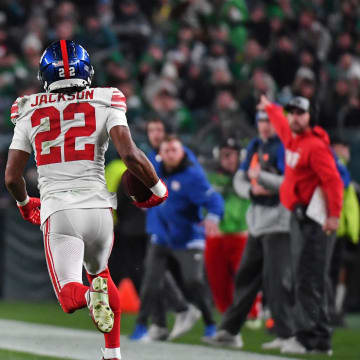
(134, 188)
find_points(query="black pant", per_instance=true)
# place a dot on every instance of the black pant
(336, 265)
(266, 262)
(190, 266)
(311, 251)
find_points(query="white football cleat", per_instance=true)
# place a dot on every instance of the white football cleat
(184, 321)
(98, 304)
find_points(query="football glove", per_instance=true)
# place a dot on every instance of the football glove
(160, 194)
(31, 211)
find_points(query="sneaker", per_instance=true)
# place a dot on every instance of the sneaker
(274, 344)
(140, 334)
(224, 338)
(98, 304)
(157, 333)
(293, 346)
(184, 321)
(210, 331)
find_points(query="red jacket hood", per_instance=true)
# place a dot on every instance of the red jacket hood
(321, 133)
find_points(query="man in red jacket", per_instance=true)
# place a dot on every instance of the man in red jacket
(311, 178)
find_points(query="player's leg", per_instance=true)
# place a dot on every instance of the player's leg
(112, 338)
(98, 239)
(64, 251)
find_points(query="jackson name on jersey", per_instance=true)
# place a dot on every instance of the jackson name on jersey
(69, 134)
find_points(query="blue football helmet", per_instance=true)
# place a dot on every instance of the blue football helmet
(65, 64)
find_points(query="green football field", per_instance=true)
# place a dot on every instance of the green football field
(346, 341)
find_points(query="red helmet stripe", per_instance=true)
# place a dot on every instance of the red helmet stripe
(65, 58)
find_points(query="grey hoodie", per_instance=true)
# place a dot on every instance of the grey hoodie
(263, 219)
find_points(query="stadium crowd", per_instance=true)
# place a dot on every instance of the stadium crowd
(200, 67)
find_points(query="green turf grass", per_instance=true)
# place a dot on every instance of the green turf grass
(346, 342)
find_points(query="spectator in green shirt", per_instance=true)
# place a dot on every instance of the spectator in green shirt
(223, 252)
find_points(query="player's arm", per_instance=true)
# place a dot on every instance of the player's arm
(138, 164)
(19, 152)
(14, 179)
(277, 118)
(133, 157)
(15, 183)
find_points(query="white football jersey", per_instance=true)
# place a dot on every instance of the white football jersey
(69, 134)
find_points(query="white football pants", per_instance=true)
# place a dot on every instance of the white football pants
(77, 237)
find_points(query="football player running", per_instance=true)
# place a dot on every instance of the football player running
(68, 127)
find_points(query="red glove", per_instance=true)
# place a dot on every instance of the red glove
(155, 199)
(31, 211)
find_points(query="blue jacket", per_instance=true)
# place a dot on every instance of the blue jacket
(176, 222)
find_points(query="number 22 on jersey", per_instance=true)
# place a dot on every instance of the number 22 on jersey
(70, 153)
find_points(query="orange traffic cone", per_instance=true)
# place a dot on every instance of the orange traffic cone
(129, 299)
(269, 323)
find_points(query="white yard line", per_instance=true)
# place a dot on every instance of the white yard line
(85, 345)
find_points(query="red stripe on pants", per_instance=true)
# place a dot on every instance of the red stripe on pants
(49, 259)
